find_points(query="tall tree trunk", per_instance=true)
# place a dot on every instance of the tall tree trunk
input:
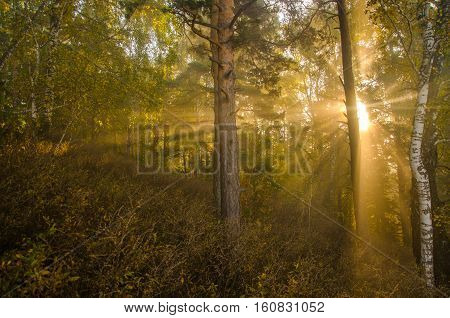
(56, 12)
(419, 171)
(430, 158)
(166, 148)
(415, 223)
(33, 110)
(228, 141)
(215, 73)
(34, 77)
(403, 198)
(352, 115)
(155, 148)
(129, 139)
(404, 184)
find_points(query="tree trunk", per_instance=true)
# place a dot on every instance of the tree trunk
(352, 115)
(415, 223)
(403, 198)
(34, 113)
(155, 148)
(56, 13)
(215, 73)
(166, 148)
(419, 171)
(404, 185)
(430, 158)
(128, 140)
(34, 77)
(228, 141)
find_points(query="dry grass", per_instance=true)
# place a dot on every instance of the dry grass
(81, 223)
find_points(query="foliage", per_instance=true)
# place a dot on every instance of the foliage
(78, 77)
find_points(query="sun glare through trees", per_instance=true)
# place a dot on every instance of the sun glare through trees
(224, 148)
(363, 116)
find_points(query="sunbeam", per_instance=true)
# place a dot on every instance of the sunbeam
(363, 116)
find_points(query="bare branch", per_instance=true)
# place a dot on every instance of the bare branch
(440, 141)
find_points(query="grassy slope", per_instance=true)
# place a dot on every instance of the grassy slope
(82, 223)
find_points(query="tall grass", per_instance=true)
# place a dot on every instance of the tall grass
(79, 222)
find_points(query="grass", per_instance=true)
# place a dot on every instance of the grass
(79, 222)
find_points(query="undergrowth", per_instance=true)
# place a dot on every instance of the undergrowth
(79, 222)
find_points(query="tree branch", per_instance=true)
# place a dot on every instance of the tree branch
(407, 52)
(15, 43)
(240, 11)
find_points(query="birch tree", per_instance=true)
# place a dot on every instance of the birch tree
(57, 10)
(419, 172)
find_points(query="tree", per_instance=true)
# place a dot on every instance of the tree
(432, 139)
(228, 142)
(222, 18)
(215, 75)
(352, 115)
(419, 171)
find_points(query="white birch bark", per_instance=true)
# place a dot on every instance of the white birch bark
(34, 75)
(422, 184)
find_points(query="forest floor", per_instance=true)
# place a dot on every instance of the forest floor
(79, 221)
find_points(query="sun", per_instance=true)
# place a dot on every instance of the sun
(363, 116)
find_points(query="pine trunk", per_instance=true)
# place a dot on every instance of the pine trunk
(228, 141)
(215, 72)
